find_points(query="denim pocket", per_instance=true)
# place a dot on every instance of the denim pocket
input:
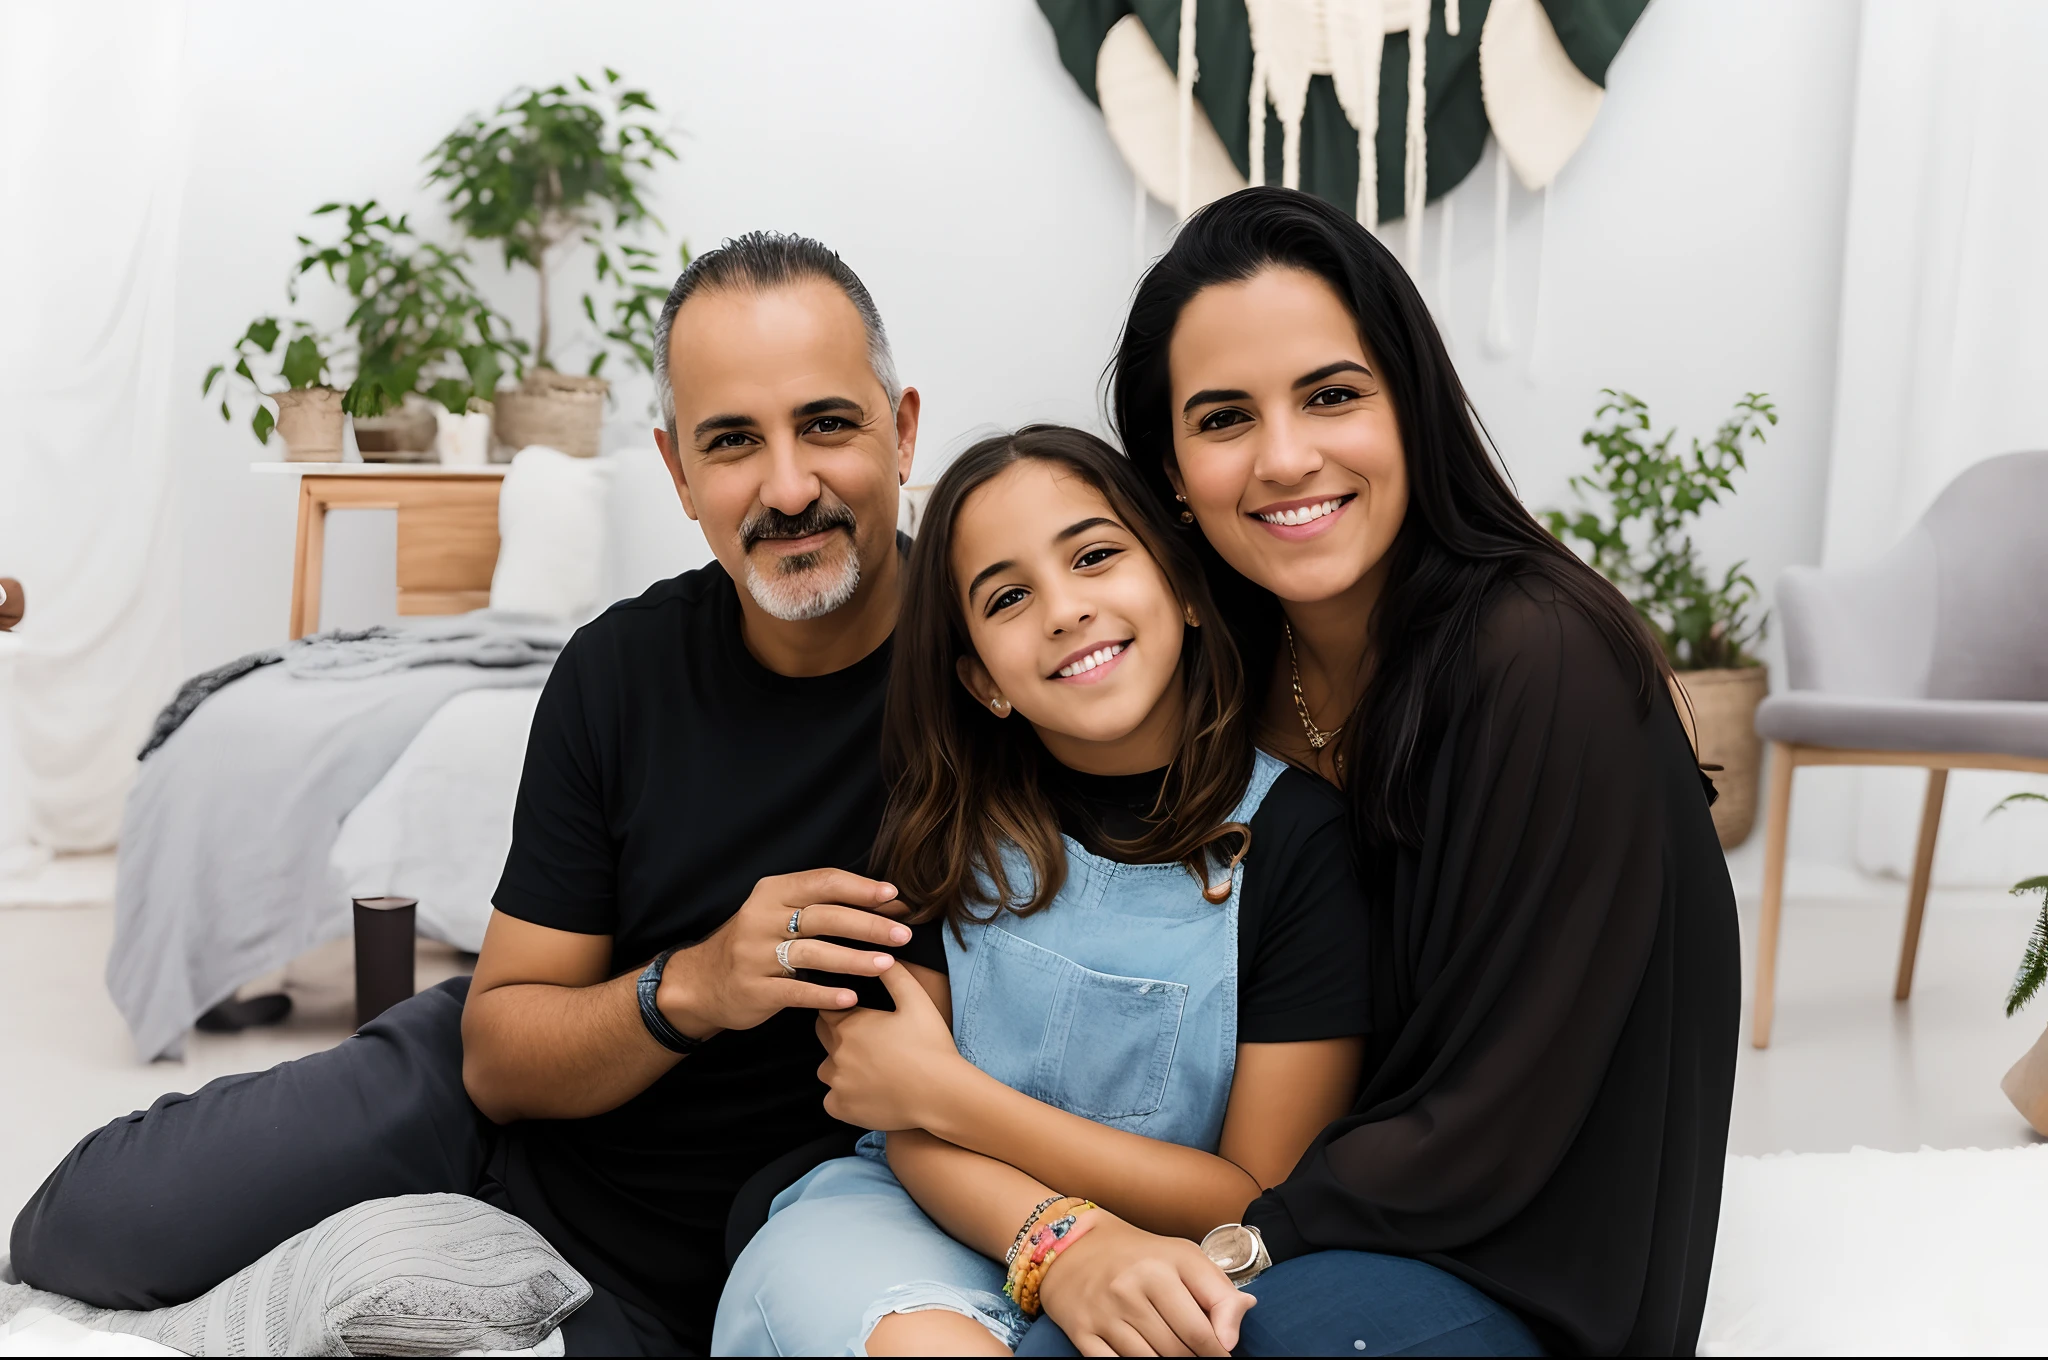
(1094, 1044)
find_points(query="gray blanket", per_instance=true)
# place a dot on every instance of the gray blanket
(223, 867)
(482, 638)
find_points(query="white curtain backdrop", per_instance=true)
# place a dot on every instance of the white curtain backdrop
(92, 163)
(1943, 352)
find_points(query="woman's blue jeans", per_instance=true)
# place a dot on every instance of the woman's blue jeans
(1357, 1303)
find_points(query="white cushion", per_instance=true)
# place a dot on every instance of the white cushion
(551, 532)
(408, 1275)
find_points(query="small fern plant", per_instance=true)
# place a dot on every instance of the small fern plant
(1651, 493)
(2033, 973)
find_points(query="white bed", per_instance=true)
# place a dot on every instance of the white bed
(437, 826)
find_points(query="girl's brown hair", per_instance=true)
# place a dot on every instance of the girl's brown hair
(963, 781)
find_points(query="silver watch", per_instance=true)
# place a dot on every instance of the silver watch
(1238, 1251)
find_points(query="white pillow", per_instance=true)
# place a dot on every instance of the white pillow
(551, 530)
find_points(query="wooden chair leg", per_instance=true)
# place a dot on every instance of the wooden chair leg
(1923, 871)
(1777, 816)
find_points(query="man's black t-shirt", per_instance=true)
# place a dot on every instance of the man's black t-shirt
(1301, 921)
(666, 772)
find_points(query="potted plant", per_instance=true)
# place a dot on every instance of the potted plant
(2026, 1085)
(309, 415)
(1651, 493)
(550, 169)
(419, 327)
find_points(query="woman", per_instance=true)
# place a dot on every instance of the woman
(1534, 1159)
(1544, 1109)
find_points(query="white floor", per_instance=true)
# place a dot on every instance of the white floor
(1847, 1066)
(66, 1065)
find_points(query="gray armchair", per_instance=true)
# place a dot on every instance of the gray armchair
(1935, 655)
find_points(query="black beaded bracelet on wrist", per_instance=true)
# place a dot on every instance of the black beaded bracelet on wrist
(649, 985)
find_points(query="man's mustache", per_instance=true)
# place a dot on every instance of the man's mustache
(816, 518)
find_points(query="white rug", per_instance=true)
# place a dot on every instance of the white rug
(38, 1332)
(1882, 1253)
(1852, 1253)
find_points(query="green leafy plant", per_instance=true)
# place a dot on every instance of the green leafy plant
(302, 363)
(640, 289)
(552, 167)
(2033, 972)
(418, 323)
(1642, 544)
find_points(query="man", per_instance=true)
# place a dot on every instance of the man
(702, 784)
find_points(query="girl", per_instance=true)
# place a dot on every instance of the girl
(1147, 938)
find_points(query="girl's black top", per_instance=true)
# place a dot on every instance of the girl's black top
(1555, 989)
(1302, 927)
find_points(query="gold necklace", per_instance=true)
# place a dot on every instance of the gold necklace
(1317, 737)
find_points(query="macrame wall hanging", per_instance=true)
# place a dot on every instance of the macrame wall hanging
(1378, 106)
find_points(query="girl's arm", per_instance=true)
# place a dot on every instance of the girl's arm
(1124, 1290)
(900, 1070)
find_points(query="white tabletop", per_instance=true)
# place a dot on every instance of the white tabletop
(381, 469)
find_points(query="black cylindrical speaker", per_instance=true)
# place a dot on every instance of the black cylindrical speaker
(384, 933)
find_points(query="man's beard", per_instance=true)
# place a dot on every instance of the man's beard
(806, 586)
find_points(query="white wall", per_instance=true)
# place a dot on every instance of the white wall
(940, 147)
(1691, 253)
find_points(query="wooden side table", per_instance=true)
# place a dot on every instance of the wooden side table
(447, 530)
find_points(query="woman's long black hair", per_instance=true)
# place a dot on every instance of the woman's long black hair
(1465, 532)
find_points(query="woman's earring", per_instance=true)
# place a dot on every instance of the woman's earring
(1187, 516)
(999, 706)
(1188, 612)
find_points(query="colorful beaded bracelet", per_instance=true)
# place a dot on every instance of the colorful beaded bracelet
(1027, 1273)
(1030, 1220)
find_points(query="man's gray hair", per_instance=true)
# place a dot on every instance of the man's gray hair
(758, 261)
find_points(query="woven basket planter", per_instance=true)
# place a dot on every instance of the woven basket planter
(403, 435)
(561, 410)
(1723, 724)
(309, 420)
(2026, 1085)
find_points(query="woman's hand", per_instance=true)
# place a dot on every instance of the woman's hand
(890, 1069)
(1123, 1291)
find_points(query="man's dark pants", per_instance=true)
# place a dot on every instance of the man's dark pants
(159, 1207)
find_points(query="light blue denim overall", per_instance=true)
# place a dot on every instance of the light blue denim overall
(1117, 1002)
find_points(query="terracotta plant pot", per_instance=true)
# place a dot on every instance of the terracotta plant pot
(561, 410)
(1723, 727)
(404, 434)
(309, 420)
(2026, 1086)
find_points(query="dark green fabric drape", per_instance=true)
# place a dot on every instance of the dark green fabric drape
(1590, 30)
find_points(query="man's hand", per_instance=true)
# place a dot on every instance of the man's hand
(889, 1069)
(1123, 1291)
(732, 979)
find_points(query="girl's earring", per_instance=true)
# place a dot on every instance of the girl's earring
(1187, 516)
(999, 706)
(1188, 612)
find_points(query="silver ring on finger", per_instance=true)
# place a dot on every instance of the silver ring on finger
(782, 957)
(796, 921)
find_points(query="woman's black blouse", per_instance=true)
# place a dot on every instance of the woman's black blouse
(1555, 987)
